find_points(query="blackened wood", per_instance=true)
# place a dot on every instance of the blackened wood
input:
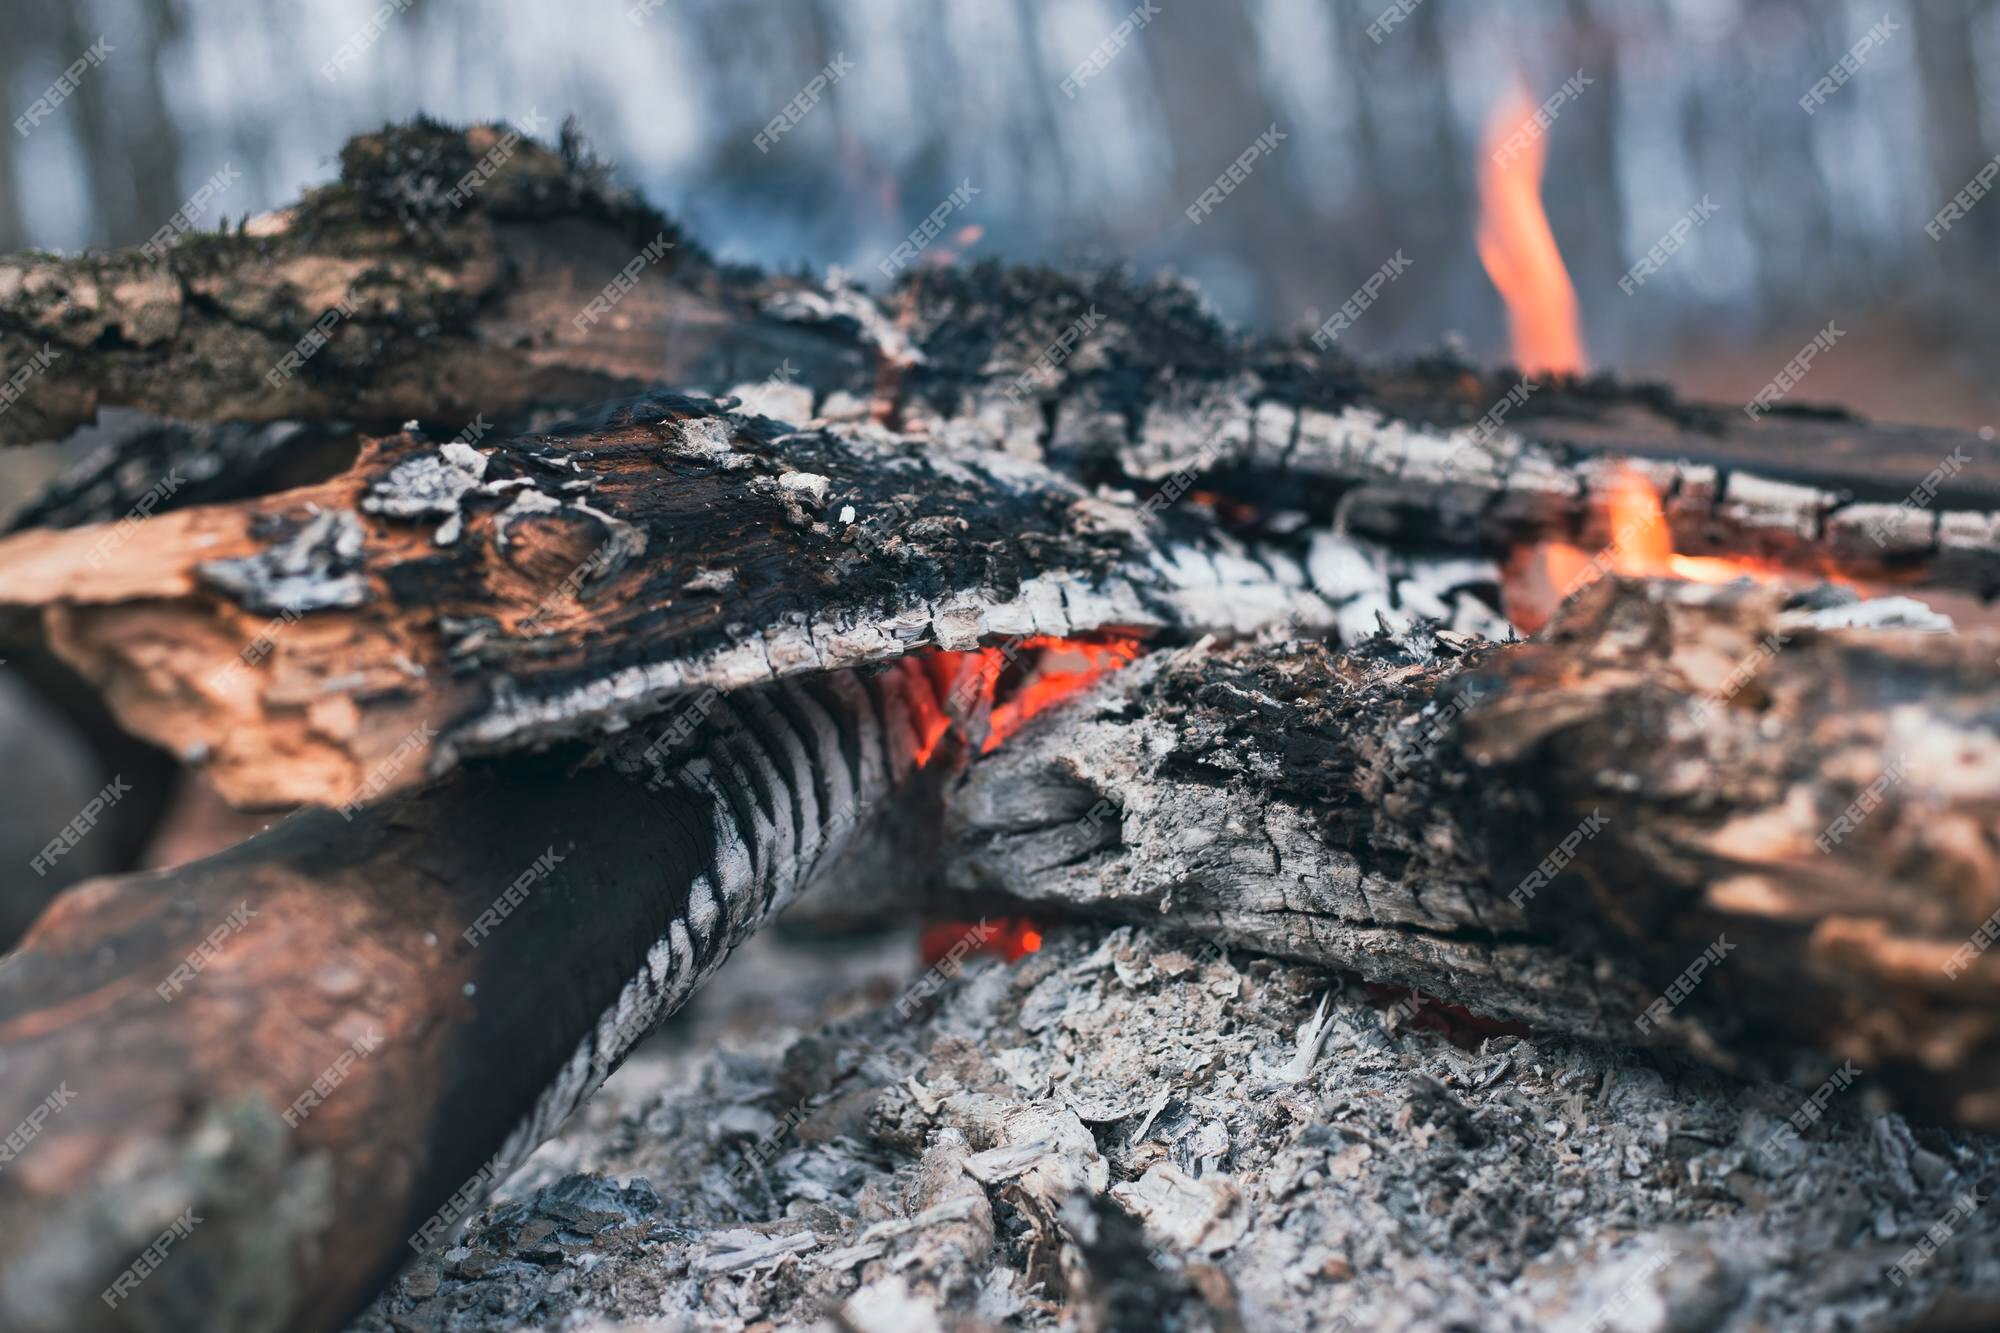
(1555, 831)
(471, 310)
(1432, 451)
(466, 298)
(205, 464)
(550, 586)
(491, 946)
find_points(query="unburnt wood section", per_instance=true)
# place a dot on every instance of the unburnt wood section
(561, 585)
(426, 991)
(1387, 810)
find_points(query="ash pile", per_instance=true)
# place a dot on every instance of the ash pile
(1129, 1130)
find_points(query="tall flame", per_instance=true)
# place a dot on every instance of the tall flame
(1517, 247)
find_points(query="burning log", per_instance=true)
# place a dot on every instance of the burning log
(458, 601)
(447, 276)
(320, 1048)
(1679, 816)
(482, 300)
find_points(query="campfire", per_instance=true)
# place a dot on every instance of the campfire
(1320, 803)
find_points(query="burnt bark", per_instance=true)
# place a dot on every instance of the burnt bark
(328, 1043)
(1112, 378)
(459, 269)
(556, 586)
(1556, 831)
(468, 311)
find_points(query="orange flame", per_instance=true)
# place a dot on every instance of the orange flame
(1053, 669)
(1538, 579)
(1050, 670)
(1065, 667)
(1517, 247)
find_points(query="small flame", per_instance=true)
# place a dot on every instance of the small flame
(1538, 579)
(1517, 247)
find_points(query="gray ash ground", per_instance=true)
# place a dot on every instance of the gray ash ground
(1115, 1133)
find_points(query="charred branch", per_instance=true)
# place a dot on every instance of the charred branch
(554, 586)
(327, 1043)
(1681, 816)
(447, 275)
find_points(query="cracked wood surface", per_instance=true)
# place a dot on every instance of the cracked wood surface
(496, 943)
(495, 598)
(1406, 816)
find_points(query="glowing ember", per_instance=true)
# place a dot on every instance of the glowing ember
(1009, 937)
(961, 240)
(1045, 671)
(1050, 670)
(1518, 249)
(1065, 667)
(1540, 578)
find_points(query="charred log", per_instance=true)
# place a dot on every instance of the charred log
(1678, 817)
(557, 586)
(328, 1042)
(447, 275)
(469, 303)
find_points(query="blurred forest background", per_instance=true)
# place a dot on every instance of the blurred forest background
(1821, 217)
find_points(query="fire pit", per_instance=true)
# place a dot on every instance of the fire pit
(1398, 846)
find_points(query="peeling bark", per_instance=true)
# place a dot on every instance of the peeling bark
(1555, 831)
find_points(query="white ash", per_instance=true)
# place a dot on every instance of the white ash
(316, 568)
(954, 1167)
(428, 483)
(842, 406)
(808, 484)
(843, 303)
(1873, 613)
(787, 404)
(1374, 588)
